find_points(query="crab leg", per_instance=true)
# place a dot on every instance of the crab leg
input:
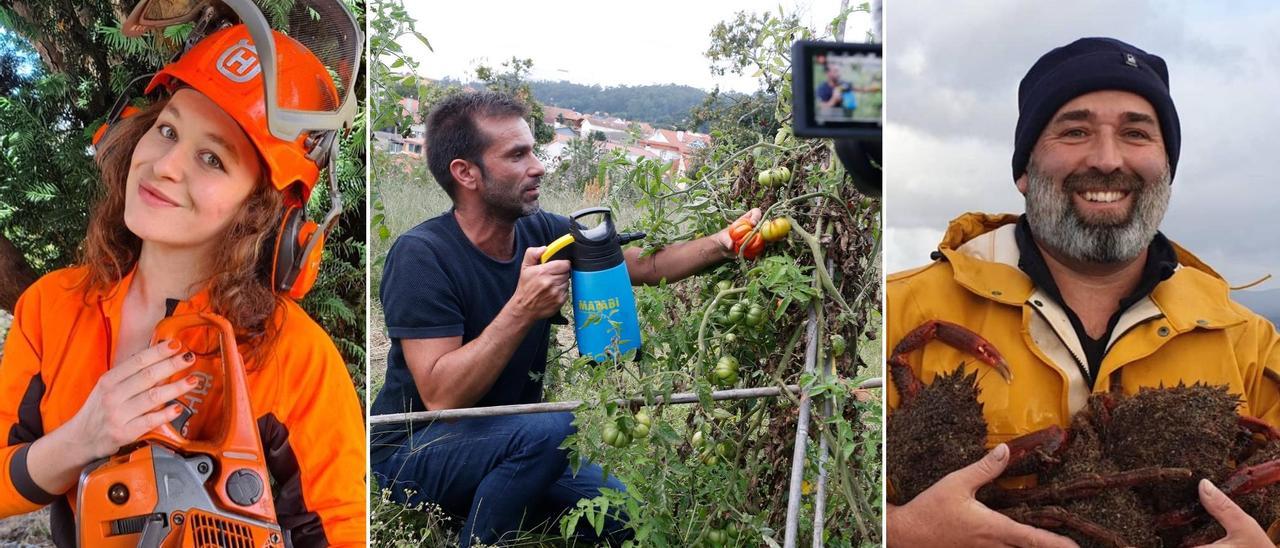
(1242, 481)
(1259, 426)
(1056, 516)
(1083, 486)
(959, 337)
(1030, 453)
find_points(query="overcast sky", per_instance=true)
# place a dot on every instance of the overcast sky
(596, 42)
(951, 86)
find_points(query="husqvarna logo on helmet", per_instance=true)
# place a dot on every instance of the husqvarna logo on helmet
(239, 62)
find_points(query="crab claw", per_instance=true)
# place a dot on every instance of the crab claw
(957, 336)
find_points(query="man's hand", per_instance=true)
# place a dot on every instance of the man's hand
(947, 514)
(543, 288)
(1242, 530)
(726, 242)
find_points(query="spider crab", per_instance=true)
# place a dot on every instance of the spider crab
(1111, 479)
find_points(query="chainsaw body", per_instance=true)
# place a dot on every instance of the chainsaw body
(171, 491)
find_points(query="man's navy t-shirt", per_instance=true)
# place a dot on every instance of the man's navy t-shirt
(436, 283)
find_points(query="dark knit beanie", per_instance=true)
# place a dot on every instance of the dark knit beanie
(1084, 66)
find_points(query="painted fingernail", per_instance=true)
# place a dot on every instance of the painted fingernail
(189, 357)
(193, 380)
(175, 410)
(174, 345)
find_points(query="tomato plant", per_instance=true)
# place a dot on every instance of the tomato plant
(716, 473)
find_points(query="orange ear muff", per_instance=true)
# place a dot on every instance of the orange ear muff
(295, 267)
(309, 266)
(106, 126)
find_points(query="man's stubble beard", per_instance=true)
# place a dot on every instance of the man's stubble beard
(508, 206)
(1058, 225)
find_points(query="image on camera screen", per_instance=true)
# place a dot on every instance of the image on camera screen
(847, 87)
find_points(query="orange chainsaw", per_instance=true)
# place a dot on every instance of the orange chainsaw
(175, 492)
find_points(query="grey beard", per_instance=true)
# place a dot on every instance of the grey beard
(1057, 224)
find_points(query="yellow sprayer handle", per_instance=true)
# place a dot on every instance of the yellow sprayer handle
(557, 246)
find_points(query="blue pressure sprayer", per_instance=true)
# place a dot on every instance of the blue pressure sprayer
(604, 306)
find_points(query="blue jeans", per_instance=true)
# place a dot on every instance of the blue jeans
(499, 472)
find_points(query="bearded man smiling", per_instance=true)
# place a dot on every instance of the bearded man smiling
(1082, 293)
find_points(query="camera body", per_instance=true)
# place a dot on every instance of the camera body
(837, 90)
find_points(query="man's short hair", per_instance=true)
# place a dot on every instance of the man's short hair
(453, 133)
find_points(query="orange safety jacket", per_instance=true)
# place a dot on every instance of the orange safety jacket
(1187, 330)
(308, 415)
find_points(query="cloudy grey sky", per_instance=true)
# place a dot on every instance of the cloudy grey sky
(596, 42)
(953, 69)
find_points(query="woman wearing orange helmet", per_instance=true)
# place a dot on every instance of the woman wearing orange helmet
(201, 210)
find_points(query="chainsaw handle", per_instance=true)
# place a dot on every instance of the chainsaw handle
(236, 388)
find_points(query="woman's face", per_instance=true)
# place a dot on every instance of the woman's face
(189, 174)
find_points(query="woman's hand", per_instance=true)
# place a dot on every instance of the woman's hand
(127, 402)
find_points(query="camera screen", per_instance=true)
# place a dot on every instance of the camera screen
(847, 87)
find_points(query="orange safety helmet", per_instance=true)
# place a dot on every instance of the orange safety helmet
(224, 67)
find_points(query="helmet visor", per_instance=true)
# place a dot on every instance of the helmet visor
(326, 29)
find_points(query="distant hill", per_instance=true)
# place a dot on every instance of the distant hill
(665, 105)
(1265, 302)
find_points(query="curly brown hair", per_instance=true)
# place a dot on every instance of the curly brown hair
(240, 284)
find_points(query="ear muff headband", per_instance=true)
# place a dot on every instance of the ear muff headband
(122, 108)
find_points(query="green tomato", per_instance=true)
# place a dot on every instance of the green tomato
(723, 285)
(696, 440)
(643, 422)
(726, 381)
(622, 440)
(782, 175)
(736, 312)
(837, 346)
(725, 368)
(710, 459)
(716, 537)
(725, 450)
(765, 177)
(755, 315)
(610, 434)
(730, 338)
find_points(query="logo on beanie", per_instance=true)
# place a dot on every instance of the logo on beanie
(239, 63)
(1130, 60)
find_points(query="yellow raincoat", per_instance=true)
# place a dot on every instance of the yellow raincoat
(1187, 330)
